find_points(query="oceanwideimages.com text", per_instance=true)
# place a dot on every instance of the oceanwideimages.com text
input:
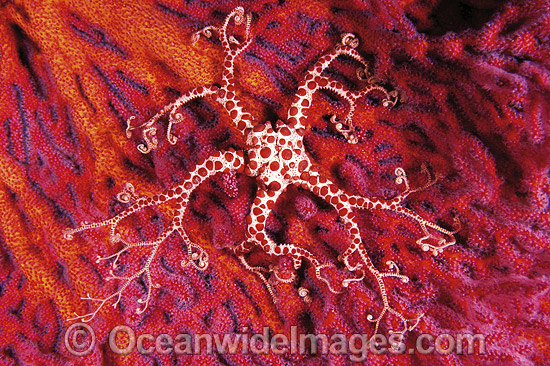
(80, 340)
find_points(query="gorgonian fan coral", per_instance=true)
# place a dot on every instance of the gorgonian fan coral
(473, 83)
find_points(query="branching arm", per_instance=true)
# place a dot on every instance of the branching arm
(197, 256)
(315, 81)
(326, 189)
(435, 240)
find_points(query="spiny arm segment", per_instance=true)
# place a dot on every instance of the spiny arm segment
(315, 81)
(175, 116)
(197, 256)
(225, 94)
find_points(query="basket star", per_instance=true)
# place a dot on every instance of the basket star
(276, 157)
